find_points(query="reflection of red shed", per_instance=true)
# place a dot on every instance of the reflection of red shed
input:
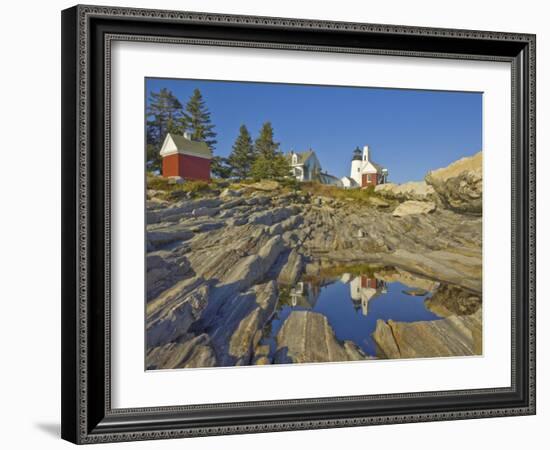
(185, 158)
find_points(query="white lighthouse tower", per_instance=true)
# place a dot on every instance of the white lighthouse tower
(356, 166)
(364, 171)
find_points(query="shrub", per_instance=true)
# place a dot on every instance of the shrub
(195, 186)
(291, 183)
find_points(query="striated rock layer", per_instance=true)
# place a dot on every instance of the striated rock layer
(452, 336)
(460, 185)
(307, 337)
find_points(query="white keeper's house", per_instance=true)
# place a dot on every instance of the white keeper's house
(305, 166)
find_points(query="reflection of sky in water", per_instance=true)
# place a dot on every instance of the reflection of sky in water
(353, 316)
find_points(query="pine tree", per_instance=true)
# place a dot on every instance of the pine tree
(220, 167)
(196, 120)
(265, 145)
(273, 168)
(164, 111)
(270, 163)
(242, 156)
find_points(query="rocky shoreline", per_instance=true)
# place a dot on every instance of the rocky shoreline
(216, 265)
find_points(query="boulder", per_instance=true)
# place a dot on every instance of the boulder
(193, 352)
(452, 336)
(261, 355)
(175, 180)
(413, 190)
(450, 300)
(447, 266)
(237, 221)
(411, 207)
(252, 268)
(236, 330)
(378, 202)
(307, 337)
(460, 185)
(164, 273)
(258, 200)
(228, 193)
(207, 226)
(291, 271)
(172, 313)
(205, 211)
(264, 185)
(232, 203)
(271, 216)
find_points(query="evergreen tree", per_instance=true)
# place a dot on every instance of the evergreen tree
(196, 120)
(242, 156)
(265, 145)
(164, 111)
(270, 168)
(269, 163)
(220, 167)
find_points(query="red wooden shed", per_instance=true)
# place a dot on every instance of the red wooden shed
(183, 157)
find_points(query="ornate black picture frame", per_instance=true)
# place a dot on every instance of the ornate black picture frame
(87, 34)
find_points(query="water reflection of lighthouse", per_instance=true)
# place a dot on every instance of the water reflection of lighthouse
(364, 288)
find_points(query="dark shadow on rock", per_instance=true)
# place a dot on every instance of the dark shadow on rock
(281, 356)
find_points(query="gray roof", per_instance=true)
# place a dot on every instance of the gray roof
(378, 167)
(326, 178)
(183, 144)
(302, 156)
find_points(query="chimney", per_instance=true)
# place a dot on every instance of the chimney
(187, 135)
(366, 153)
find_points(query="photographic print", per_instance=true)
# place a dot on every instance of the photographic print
(291, 224)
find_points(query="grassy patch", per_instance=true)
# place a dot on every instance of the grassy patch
(170, 190)
(338, 193)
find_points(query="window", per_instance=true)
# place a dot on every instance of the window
(358, 170)
(368, 178)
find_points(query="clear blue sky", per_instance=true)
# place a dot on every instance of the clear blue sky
(409, 131)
